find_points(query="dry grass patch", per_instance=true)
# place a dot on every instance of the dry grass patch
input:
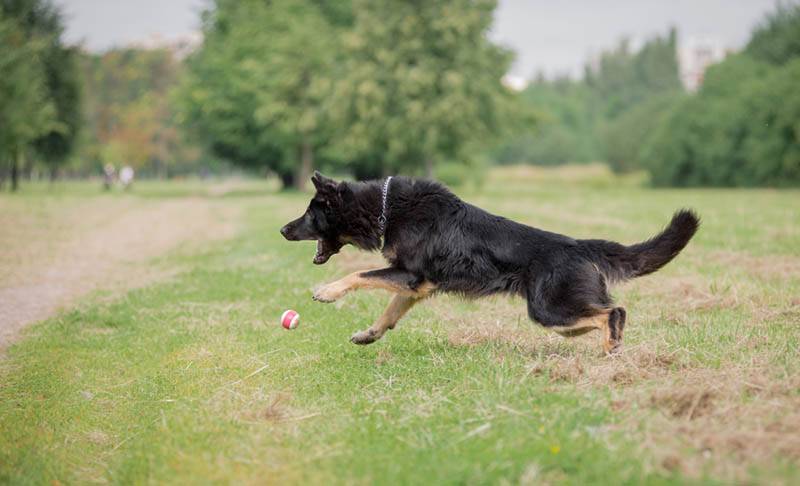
(690, 418)
(691, 292)
(98, 437)
(765, 267)
(722, 422)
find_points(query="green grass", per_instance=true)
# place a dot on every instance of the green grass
(192, 380)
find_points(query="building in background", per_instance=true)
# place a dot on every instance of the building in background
(180, 45)
(695, 55)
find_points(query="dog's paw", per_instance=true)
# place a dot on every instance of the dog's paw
(328, 293)
(613, 348)
(364, 337)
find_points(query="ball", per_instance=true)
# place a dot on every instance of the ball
(290, 319)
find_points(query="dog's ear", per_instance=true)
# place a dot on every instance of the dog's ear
(322, 183)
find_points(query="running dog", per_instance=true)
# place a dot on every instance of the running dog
(435, 242)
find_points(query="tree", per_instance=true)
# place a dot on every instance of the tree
(25, 109)
(624, 78)
(259, 87)
(420, 83)
(566, 130)
(777, 39)
(41, 23)
(740, 129)
(624, 137)
(130, 110)
(605, 116)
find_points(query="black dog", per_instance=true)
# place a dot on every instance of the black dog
(435, 242)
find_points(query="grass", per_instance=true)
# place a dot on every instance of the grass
(192, 380)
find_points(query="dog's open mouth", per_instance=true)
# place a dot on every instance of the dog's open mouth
(326, 248)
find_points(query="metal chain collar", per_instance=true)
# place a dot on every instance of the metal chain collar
(384, 194)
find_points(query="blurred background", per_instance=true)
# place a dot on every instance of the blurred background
(684, 93)
(150, 151)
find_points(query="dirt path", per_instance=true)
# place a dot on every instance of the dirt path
(57, 251)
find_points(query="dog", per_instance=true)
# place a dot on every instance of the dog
(436, 243)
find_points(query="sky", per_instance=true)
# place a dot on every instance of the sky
(552, 36)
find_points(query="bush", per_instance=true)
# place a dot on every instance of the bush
(741, 129)
(459, 174)
(625, 136)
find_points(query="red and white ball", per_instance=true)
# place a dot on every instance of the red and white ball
(290, 319)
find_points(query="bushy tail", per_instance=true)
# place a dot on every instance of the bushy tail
(620, 262)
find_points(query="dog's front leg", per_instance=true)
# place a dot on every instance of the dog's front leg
(392, 279)
(396, 309)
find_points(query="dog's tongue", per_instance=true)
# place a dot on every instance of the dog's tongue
(324, 251)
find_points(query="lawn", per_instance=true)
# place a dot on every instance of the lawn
(190, 378)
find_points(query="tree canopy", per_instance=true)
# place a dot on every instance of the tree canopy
(742, 128)
(41, 25)
(26, 110)
(373, 87)
(420, 80)
(590, 119)
(259, 88)
(130, 112)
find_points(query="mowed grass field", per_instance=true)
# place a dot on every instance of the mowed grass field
(190, 378)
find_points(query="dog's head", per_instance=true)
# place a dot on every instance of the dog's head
(322, 219)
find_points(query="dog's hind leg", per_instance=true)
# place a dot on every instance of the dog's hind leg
(394, 280)
(574, 301)
(612, 341)
(396, 309)
(611, 323)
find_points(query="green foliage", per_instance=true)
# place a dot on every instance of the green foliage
(64, 83)
(741, 129)
(624, 136)
(565, 132)
(26, 111)
(624, 79)
(777, 39)
(420, 83)
(462, 174)
(588, 120)
(130, 112)
(42, 23)
(259, 88)
(385, 86)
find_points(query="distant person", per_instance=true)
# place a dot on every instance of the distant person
(108, 176)
(126, 176)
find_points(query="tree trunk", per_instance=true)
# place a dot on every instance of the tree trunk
(306, 164)
(27, 170)
(287, 179)
(429, 167)
(15, 163)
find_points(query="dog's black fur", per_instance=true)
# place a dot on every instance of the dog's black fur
(433, 236)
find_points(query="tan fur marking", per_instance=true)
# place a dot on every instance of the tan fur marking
(587, 324)
(397, 308)
(336, 290)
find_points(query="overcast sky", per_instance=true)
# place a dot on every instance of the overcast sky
(550, 35)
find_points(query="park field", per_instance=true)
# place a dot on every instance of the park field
(171, 366)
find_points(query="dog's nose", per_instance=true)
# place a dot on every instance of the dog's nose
(285, 232)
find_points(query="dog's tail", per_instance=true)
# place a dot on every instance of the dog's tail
(620, 262)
